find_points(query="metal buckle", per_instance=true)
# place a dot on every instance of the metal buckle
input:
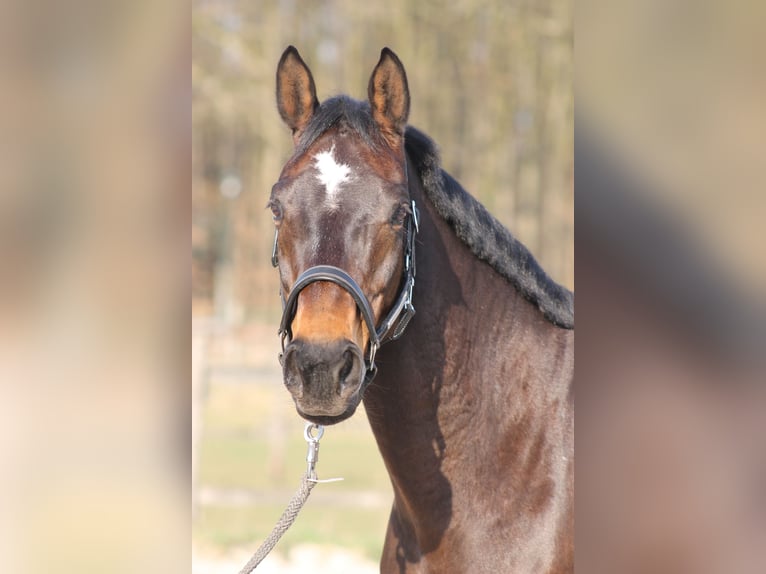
(373, 351)
(274, 254)
(312, 454)
(282, 336)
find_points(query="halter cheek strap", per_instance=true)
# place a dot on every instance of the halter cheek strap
(395, 322)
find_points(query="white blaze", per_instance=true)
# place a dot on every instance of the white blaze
(331, 173)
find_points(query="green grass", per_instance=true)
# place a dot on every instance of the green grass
(362, 529)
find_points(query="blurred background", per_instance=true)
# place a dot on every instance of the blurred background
(671, 287)
(94, 286)
(97, 160)
(491, 83)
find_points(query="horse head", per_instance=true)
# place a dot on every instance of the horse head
(344, 234)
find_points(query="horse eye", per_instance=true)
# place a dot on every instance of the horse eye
(276, 211)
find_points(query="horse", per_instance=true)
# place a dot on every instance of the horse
(470, 400)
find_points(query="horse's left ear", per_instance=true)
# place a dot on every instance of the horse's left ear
(389, 97)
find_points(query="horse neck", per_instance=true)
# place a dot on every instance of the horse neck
(448, 392)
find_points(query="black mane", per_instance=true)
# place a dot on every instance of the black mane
(485, 236)
(353, 113)
(473, 224)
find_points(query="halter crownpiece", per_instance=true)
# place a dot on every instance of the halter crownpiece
(395, 322)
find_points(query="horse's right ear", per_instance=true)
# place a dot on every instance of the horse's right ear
(296, 93)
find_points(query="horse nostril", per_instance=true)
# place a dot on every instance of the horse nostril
(350, 369)
(287, 359)
(348, 365)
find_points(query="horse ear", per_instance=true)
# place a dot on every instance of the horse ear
(389, 97)
(296, 93)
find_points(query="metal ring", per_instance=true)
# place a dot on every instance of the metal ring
(307, 432)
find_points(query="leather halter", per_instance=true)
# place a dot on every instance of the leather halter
(395, 322)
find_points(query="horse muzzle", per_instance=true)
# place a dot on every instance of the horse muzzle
(324, 378)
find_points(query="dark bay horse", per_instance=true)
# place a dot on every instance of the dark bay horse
(472, 408)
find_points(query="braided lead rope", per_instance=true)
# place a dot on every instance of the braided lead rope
(285, 522)
(308, 482)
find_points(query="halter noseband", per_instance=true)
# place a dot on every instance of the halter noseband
(394, 324)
